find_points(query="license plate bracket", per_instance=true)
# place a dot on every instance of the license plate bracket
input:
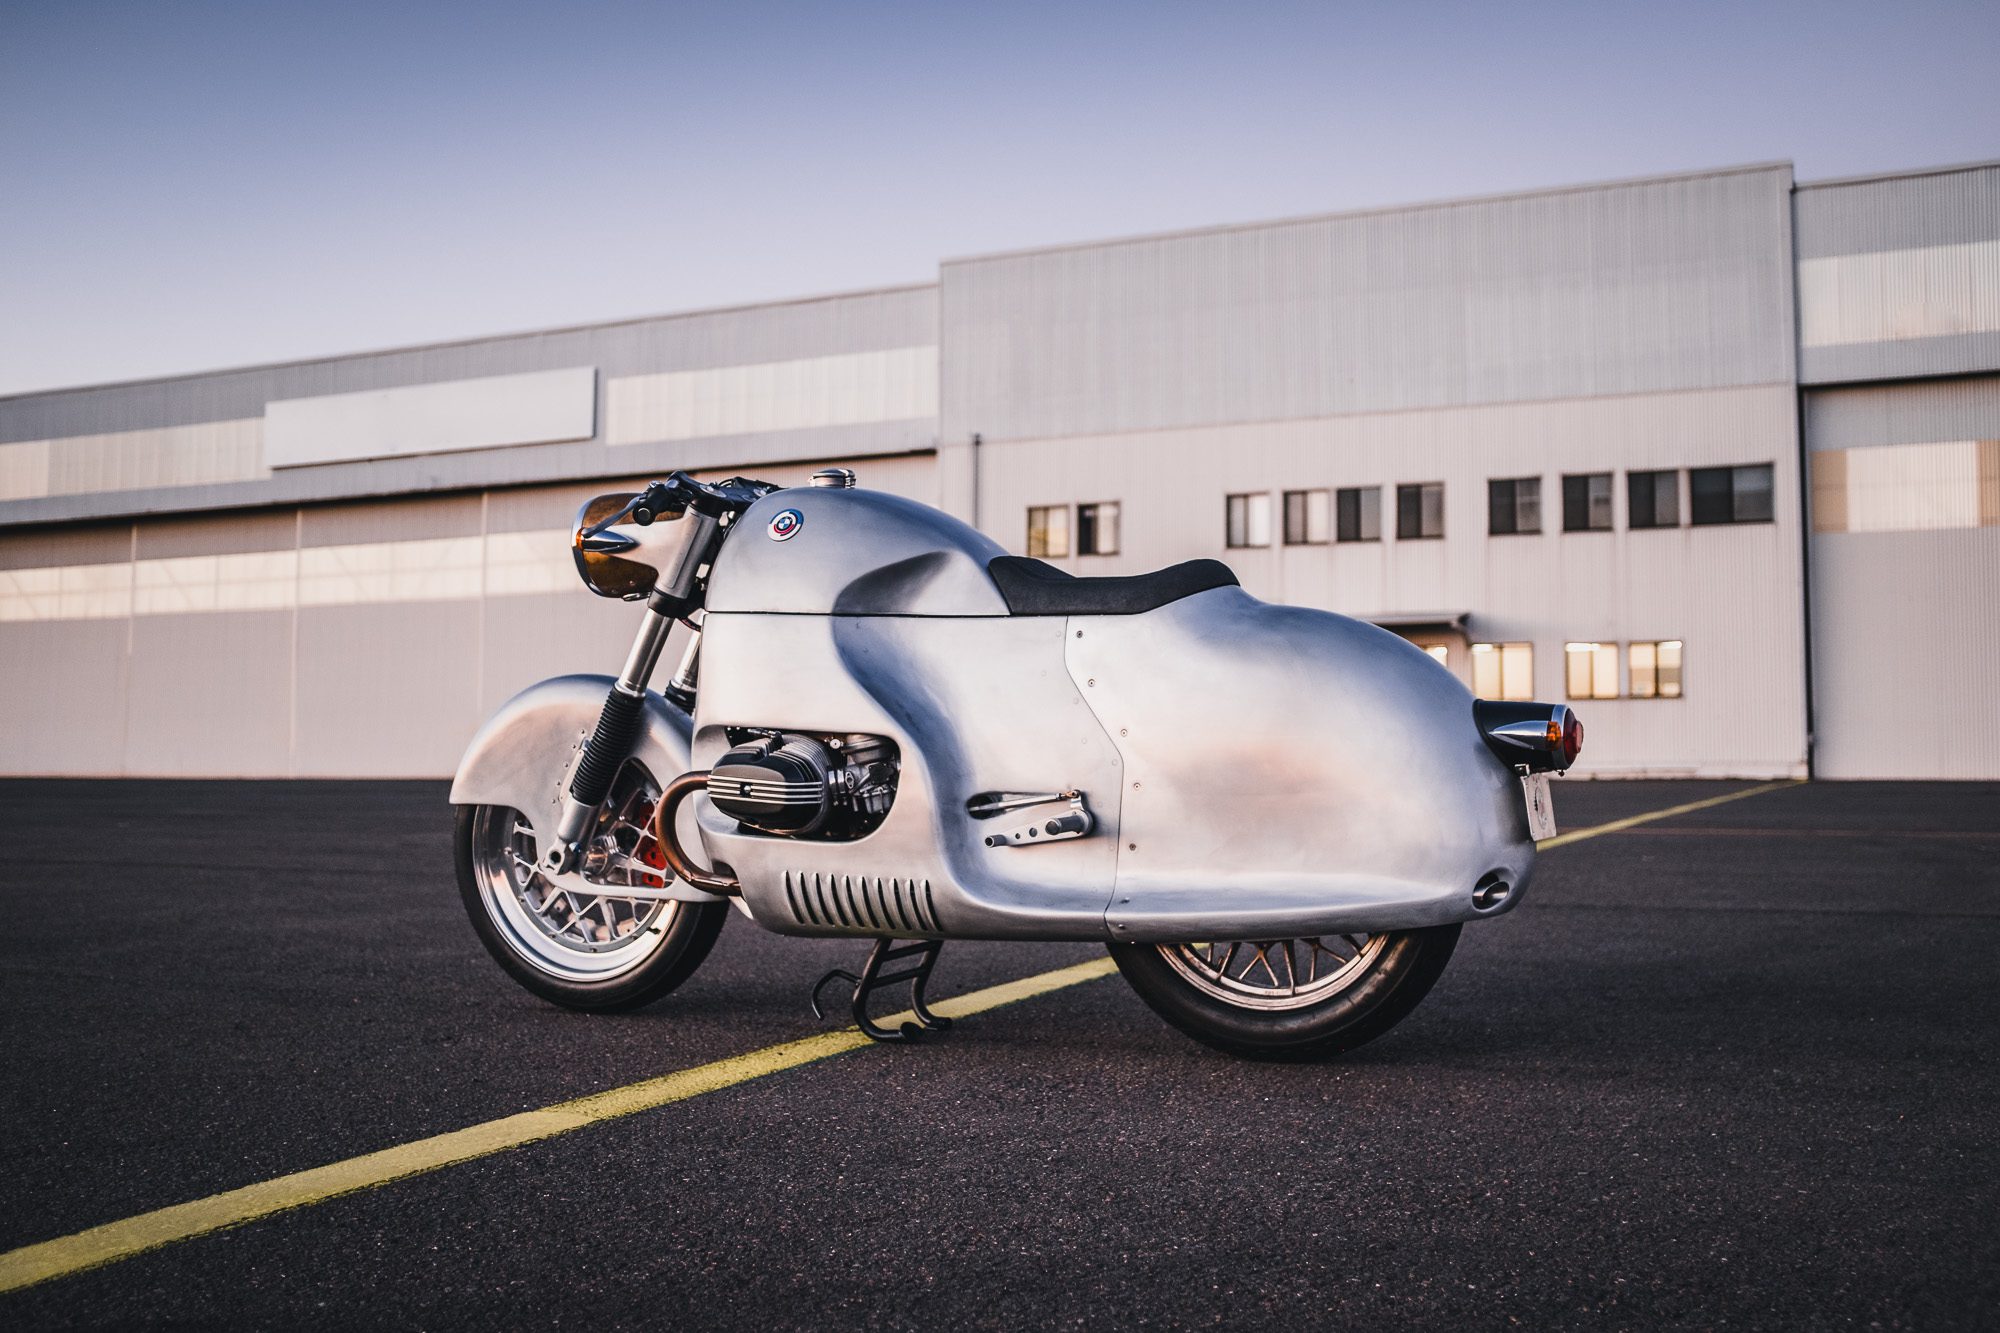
(1541, 805)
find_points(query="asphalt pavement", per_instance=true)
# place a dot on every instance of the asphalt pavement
(1731, 1069)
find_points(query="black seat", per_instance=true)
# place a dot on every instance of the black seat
(1032, 588)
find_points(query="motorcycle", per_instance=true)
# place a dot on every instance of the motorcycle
(883, 726)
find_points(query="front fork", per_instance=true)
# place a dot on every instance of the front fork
(618, 727)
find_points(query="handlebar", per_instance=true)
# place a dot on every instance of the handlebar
(680, 492)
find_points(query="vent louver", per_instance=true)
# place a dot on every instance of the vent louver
(862, 902)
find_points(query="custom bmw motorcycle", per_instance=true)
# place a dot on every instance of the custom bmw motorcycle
(884, 726)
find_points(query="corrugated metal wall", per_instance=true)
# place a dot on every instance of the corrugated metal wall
(1899, 276)
(52, 430)
(1635, 325)
(1744, 708)
(1666, 284)
(297, 622)
(1906, 579)
(392, 630)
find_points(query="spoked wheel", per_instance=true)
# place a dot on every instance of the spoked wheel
(584, 950)
(1296, 999)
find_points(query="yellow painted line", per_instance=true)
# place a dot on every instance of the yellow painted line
(114, 1241)
(1616, 825)
(148, 1231)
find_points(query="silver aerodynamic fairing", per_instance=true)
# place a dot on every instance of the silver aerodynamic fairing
(1254, 771)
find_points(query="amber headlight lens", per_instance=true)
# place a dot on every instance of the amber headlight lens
(600, 558)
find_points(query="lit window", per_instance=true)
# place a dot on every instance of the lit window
(1656, 669)
(1249, 518)
(1048, 531)
(1514, 505)
(1503, 670)
(1440, 654)
(1306, 515)
(1097, 528)
(1420, 510)
(1587, 502)
(1591, 670)
(1730, 494)
(1359, 514)
(1655, 499)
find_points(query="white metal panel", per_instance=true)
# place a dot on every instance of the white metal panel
(62, 697)
(1906, 579)
(847, 389)
(1906, 654)
(784, 331)
(1637, 287)
(210, 695)
(206, 452)
(1899, 276)
(24, 470)
(1912, 487)
(387, 690)
(1862, 416)
(540, 407)
(1744, 711)
(1890, 295)
(1898, 210)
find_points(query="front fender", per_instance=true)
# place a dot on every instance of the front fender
(521, 759)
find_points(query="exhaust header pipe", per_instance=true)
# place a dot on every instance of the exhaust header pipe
(669, 843)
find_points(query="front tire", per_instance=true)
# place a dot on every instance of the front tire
(605, 956)
(1303, 999)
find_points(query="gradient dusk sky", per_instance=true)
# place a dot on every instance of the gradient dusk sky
(187, 185)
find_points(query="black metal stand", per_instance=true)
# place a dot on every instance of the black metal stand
(873, 978)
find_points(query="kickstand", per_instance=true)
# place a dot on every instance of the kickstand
(873, 978)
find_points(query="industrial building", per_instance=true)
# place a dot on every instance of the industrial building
(1717, 454)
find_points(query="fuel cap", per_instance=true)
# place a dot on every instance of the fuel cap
(838, 477)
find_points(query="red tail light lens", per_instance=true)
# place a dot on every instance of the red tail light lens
(1572, 738)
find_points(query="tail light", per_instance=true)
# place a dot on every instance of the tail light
(1544, 738)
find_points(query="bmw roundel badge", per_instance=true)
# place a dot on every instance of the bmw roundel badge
(785, 525)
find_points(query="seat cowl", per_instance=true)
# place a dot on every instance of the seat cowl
(1032, 587)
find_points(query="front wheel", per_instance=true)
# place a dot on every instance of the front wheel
(582, 950)
(1299, 999)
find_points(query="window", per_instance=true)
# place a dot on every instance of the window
(1654, 499)
(1503, 670)
(1250, 519)
(1359, 511)
(1656, 669)
(1420, 510)
(1591, 670)
(1514, 506)
(1587, 502)
(1730, 494)
(1048, 531)
(1097, 528)
(1306, 518)
(1440, 654)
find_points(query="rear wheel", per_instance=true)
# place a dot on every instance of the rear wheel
(1297, 999)
(582, 950)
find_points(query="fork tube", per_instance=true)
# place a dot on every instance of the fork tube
(645, 654)
(680, 689)
(611, 744)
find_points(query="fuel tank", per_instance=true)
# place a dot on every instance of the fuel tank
(820, 551)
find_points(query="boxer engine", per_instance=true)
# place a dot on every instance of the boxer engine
(830, 788)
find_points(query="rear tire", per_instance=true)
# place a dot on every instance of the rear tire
(680, 934)
(1366, 993)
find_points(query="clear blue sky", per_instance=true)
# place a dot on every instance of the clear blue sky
(188, 185)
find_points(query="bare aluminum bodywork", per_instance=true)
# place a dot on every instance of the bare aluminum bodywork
(522, 757)
(857, 552)
(1253, 770)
